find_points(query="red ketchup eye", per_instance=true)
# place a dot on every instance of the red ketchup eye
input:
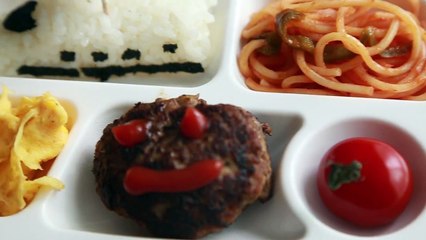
(139, 180)
(130, 133)
(193, 124)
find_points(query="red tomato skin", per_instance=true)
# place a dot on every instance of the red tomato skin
(193, 124)
(130, 133)
(381, 194)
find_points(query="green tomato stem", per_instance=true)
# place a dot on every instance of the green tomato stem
(343, 174)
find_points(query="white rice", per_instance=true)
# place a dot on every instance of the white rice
(83, 27)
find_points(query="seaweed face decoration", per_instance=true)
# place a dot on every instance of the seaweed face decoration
(21, 21)
(106, 72)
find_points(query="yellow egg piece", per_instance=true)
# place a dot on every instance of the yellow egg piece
(31, 133)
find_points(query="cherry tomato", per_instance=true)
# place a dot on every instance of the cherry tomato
(193, 124)
(365, 181)
(130, 133)
(139, 180)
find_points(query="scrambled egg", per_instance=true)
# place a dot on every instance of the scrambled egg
(31, 133)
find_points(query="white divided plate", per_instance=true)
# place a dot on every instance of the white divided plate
(304, 128)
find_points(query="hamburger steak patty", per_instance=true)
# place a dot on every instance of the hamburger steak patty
(234, 136)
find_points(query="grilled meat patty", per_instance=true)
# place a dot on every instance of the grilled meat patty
(234, 136)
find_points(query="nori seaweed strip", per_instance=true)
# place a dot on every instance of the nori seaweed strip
(67, 56)
(104, 73)
(20, 19)
(48, 71)
(99, 56)
(171, 48)
(131, 54)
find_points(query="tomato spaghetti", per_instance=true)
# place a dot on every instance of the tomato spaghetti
(365, 48)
